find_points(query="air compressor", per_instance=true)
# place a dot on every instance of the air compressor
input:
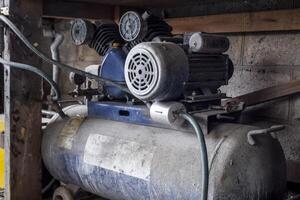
(131, 145)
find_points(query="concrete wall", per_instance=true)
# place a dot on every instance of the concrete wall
(261, 60)
(76, 56)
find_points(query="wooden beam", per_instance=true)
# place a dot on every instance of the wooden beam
(142, 3)
(69, 9)
(23, 105)
(268, 94)
(117, 14)
(280, 20)
(217, 7)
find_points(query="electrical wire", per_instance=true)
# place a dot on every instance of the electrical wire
(44, 76)
(67, 68)
(203, 153)
(36, 71)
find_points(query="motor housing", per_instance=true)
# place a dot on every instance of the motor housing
(112, 68)
(162, 71)
(156, 71)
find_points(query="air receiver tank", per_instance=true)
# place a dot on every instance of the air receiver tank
(122, 161)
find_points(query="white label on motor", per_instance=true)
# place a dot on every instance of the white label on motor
(122, 156)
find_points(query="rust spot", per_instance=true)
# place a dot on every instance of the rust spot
(22, 134)
(223, 178)
(261, 39)
(15, 117)
(263, 71)
(14, 151)
(143, 162)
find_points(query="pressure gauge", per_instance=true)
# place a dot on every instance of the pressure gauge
(132, 26)
(82, 31)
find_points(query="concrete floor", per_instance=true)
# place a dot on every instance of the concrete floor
(291, 196)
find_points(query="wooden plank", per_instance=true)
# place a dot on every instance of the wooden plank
(117, 14)
(215, 7)
(268, 94)
(280, 20)
(143, 3)
(67, 10)
(23, 105)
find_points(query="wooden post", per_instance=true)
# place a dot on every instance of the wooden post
(23, 104)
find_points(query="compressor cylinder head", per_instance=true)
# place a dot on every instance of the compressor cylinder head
(156, 71)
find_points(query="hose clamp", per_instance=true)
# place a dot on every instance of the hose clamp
(4, 11)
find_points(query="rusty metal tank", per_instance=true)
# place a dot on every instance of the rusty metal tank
(122, 161)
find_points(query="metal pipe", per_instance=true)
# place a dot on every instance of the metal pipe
(58, 39)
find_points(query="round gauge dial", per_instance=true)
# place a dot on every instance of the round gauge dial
(81, 31)
(131, 26)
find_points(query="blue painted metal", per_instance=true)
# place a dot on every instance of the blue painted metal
(133, 162)
(112, 68)
(135, 114)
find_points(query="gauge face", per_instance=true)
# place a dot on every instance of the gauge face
(131, 25)
(81, 31)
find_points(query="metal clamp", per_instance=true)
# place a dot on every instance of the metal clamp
(271, 131)
(4, 11)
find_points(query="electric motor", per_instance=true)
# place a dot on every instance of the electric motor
(156, 71)
(208, 71)
(161, 71)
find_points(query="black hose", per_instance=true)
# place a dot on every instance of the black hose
(203, 154)
(43, 56)
(48, 186)
(44, 76)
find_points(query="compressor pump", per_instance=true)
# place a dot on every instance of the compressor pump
(154, 64)
(126, 143)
